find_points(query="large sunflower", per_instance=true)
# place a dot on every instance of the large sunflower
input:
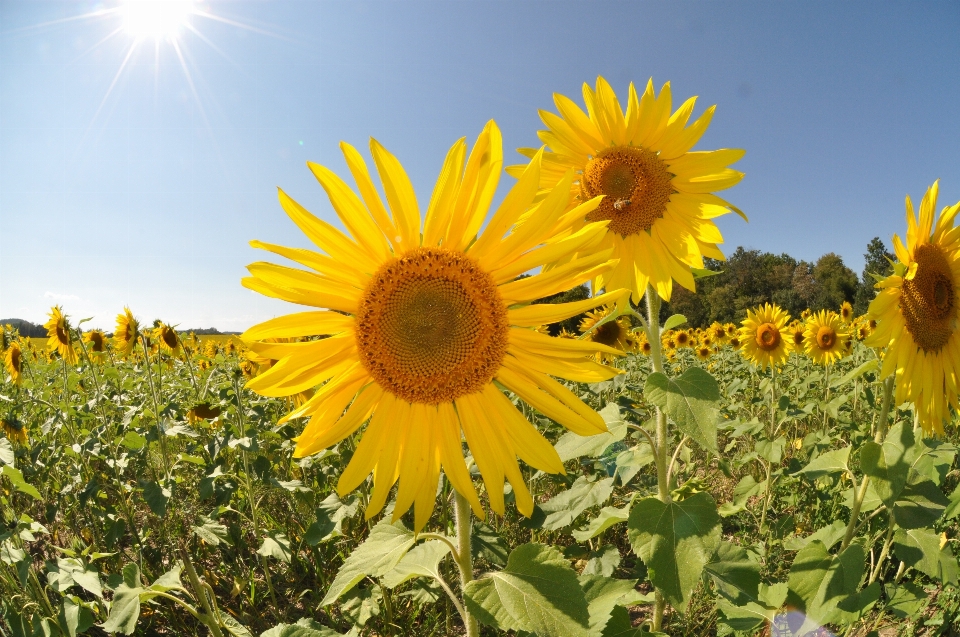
(13, 360)
(825, 336)
(916, 313)
(659, 199)
(422, 321)
(60, 338)
(127, 332)
(765, 336)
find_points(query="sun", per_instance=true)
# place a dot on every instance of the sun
(156, 19)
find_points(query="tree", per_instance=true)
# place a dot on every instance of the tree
(836, 282)
(876, 263)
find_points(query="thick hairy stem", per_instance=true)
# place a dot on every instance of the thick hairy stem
(211, 619)
(464, 557)
(161, 434)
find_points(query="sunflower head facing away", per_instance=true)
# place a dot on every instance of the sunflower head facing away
(13, 361)
(916, 313)
(765, 337)
(423, 314)
(824, 337)
(166, 337)
(127, 332)
(59, 335)
(14, 429)
(657, 194)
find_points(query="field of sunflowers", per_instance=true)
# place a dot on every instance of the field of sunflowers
(426, 450)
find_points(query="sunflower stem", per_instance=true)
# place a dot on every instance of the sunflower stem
(161, 434)
(464, 557)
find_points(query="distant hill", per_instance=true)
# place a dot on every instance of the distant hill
(26, 328)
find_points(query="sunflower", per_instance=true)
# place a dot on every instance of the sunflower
(127, 332)
(807, 313)
(230, 348)
(15, 430)
(765, 336)
(824, 336)
(98, 342)
(13, 360)
(797, 331)
(916, 313)
(703, 352)
(615, 333)
(863, 331)
(166, 337)
(203, 411)
(422, 319)
(682, 339)
(60, 339)
(718, 332)
(732, 329)
(846, 312)
(210, 348)
(643, 344)
(658, 194)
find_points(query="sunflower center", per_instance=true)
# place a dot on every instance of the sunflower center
(826, 337)
(768, 337)
(798, 338)
(607, 334)
(62, 335)
(636, 184)
(928, 301)
(431, 326)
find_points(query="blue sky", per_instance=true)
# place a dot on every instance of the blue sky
(146, 193)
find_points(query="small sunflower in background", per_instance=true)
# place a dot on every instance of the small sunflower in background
(14, 429)
(427, 321)
(615, 334)
(166, 337)
(210, 348)
(732, 329)
(13, 361)
(804, 315)
(703, 352)
(846, 312)
(643, 343)
(682, 339)
(60, 338)
(127, 332)
(765, 336)
(916, 313)
(863, 331)
(797, 331)
(98, 343)
(823, 339)
(658, 194)
(202, 412)
(229, 348)
(718, 332)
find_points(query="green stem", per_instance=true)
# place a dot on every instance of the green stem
(212, 619)
(161, 434)
(464, 556)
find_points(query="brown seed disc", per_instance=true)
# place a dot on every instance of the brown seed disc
(432, 326)
(636, 184)
(609, 334)
(768, 337)
(826, 338)
(928, 301)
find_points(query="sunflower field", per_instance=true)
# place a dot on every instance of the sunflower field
(429, 448)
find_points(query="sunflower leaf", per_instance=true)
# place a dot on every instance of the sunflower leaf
(379, 554)
(691, 401)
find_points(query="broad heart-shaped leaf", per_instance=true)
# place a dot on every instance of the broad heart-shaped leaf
(674, 321)
(828, 535)
(125, 607)
(834, 461)
(156, 497)
(379, 553)
(276, 545)
(736, 575)
(603, 594)
(919, 505)
(923, 550)
(488, 544)
(675, 541)
(888, 465)
(620, 625)
(70, 571)
(16, 479)
(420, 561)
(571, 445)
(608, 517)
(906, 598)
(563, 508)
(7, 455)
(819, 581)
(538, 592)
(690, 400)
(303, 628)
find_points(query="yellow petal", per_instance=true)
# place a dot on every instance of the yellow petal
(300, 324)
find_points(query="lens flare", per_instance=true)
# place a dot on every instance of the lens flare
(156, 19)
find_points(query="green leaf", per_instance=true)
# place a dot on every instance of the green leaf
(361, 604)
(828, 535)
(603, 594)
(72, 570)
(16, 479)
(953, 509)
(156, 497)
(7, 455)
(745, 489)
(303, 628)
(571, 445)
(604, 561)
(888, 465)
(906, 599)
(691, 401)
(537, 592)
(621, 625)
(379, 554)
(276, 545)
(736, 575)
(857, 372)
(420, 561)
(828, 463)
(212, 532)
(168, 581)
(563, 508)
(133, 441)
(125, 607)
(675, 541)
(819, 582)
(674, 321)
(608, 517)
(487, 543)
(923, 550)
(919, 505)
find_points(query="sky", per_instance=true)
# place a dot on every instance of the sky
(134, 170)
